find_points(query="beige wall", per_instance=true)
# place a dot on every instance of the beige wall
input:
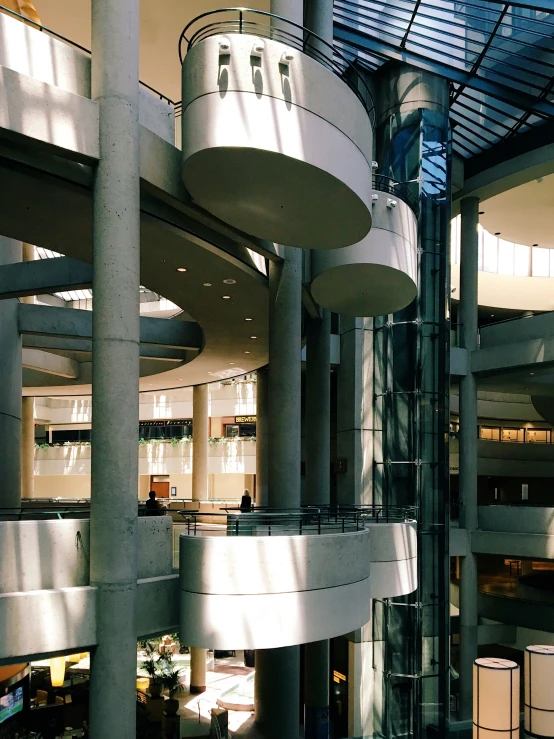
(229, 485)
(62, 486)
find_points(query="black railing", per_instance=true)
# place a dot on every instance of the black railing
(268, 25)
(308, 520)
(398, 189)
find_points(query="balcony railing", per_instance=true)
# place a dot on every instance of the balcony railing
(268, 25)
(398, 189)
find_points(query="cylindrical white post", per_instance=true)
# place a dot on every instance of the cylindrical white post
(28, 448)
(115, 368)
(200, 422)
(539, 691)
(197, 670)
(262, 434)
(496, 702)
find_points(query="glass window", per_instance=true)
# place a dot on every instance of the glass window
(538, 436)
(247, 429)
(515, 435)
(232, 430)
(490, 252)
(490, 433)
(521, 260)
(505, 257)
(481, 231)
(541, 262)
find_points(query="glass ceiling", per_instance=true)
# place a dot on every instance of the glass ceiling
(499, 57)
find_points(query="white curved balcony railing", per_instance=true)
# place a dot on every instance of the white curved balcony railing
(265, 579)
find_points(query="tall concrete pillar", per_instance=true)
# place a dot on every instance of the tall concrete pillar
(10, 389)
(262, 434)
(468, 313)
(28, 448)
(318, 17)
(318, 492)
(115, 368)
(277, 687)
(28, 413)
(200, 433)
(318, 410)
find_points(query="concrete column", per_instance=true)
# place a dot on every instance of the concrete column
(468, 314)
(197, 670)
(318, 492)
(200, 435)
(28, 448)
(318, 17)
(115, 368)
(262, 433)
(10, 389)
(355, 435)
(318, 410)
(277, 687)
(28, 413)
(284, 376)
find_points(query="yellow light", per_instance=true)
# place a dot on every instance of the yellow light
(74, 657)
(339, 675)
(495, 698)
(142, 684)
(539, 702)
(57, 671)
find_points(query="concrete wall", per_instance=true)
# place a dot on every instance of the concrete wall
(30, 52)
(518, 519)
(47, 555)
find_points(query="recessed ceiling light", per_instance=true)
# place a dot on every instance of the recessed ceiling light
(181, 269)
(210, 373)
(248, 319)
(531, 373)
(226, 297)
(535, 244)
(253, 337)
(492, 315)
(481, 212)
(247, 352)
(229, 281)
(163, 261)
(231, 362)
(497, 233)
(207, 284)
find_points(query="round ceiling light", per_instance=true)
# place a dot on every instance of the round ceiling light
(247, 352)
(207, 284)
(181, 269)
(248, 319)
(230, 281)
(253, 337)
(226, 297)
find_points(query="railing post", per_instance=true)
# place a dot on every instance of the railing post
(237, 527)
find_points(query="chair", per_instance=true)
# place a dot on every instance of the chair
(41, 697)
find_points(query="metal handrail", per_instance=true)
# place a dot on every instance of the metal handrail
(399, 189)
(306, 41)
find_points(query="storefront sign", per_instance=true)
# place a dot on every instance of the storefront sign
(245, 419)
(166, 422)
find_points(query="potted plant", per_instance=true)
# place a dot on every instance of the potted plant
(152, 668)
(171, 681)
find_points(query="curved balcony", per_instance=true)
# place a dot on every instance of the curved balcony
(378, 275)
(270, 578)
(277, 134)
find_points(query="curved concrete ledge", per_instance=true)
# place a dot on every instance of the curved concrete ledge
(281, 151)
(376, 276)
(264, 592)
(393, 559)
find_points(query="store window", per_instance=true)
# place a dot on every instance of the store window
(514, 435)
(71, 435)
(244, 426)
(490, 433)
(539, 436)
(174, 429)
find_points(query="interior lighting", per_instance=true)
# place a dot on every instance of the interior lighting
(181, 269)
(248, 319)
(481, 212)
(230, 281)
(253, 337)
(497, 233)
(207, 284)
(538, 695)
(247, 352)
(226, 297)
(531, 373)
(496, 698)
(535, 244)
(57, 671)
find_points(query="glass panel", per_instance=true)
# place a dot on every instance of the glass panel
(541, 262)
(516, 435)
(521, 260)
(505, 257)
(490, 252)
(538, 436)
(490, 433)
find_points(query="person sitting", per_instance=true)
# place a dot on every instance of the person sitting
(153, 506)
(246, 502)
